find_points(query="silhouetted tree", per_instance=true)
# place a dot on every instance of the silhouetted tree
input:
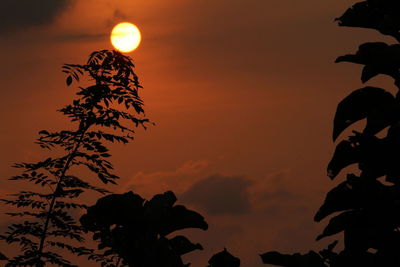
(369, 202)
(49, 224)
(137, 232)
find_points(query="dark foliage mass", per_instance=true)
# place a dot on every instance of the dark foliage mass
(365, 207)
(139, 231)
(111, 102)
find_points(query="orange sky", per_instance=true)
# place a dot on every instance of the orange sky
(243, 95)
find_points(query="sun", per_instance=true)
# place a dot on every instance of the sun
(125, 37)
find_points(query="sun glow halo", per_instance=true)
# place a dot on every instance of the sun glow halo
(125, 37)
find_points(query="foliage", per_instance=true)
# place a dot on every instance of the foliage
(111, 102)
(137, 231)
(365, 207)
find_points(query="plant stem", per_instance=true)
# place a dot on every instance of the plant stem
(53, 200)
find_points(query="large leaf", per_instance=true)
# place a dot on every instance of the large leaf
(311, 259)
(345, 155)
(375, 104)
(340, 222)
(113, 209)
(353, 193)
(378, 58)
(375, 157)
(378, 15)
(159, 208)
(180, 218)
(181, 245)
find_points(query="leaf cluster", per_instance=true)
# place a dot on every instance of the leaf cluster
(365, 207)
(138, 231)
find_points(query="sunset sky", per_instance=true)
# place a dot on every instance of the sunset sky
(242, 92)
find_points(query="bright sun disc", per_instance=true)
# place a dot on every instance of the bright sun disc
(125, 37)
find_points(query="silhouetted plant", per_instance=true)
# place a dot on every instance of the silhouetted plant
(369, 203)
(135, 232)
(224, 259)
(97, 107)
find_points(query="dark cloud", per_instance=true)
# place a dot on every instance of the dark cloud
(219, 195)
(118, 14)
(19, 14)
(81, 37)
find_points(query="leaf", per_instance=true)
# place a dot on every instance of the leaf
(69, 80)
(368, 14)
(224, 259)
(353, 193)
(378, 58)
(181, 245)
(375, 157)
(375, 104)
(179, 218)
(339, 223)
(113, 209)
(368, 73)
(345, 155)
(44, 132)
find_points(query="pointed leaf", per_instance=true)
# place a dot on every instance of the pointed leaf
(372, 103)
(367, 14)
(181, 245)
(353, 193)
(69, 80)
(345, 155)
(339, 223)
(378, 57)
(180, 218)
(224, 259)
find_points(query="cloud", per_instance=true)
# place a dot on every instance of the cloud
(179, 180)
(80, 37)
(19, 14)
(218, 195)
(274, 192)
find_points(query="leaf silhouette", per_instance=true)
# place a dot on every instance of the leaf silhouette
(224, 259)
(339, 223)
(375, 157)
(112, 209)
(353, 193)
(69, 80)
(181, 218)
(378, 58)
(345, 155)
(182, 245)
(375, 104)
(378, 15)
